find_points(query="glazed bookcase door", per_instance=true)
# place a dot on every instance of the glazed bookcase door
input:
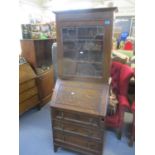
(83, 50)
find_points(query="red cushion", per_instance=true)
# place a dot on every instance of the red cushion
(121, 75)
(126, 73)
(115, 74)
(123, 101)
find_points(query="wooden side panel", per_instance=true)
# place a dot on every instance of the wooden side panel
(45, 84)
(108, 48)
(28, 51)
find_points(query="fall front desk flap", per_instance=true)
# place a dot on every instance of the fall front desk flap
(79, 96)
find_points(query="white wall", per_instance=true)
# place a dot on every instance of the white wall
(47, 15)
(125, 7)
(28, 11)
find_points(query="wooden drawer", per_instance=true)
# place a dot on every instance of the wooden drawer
(27, 94)
(27, 104)
(26, 85)
(45, 83)
(76, 117)
(77, 140)
(79, 129)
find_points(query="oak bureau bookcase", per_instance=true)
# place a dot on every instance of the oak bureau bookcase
(79, 101)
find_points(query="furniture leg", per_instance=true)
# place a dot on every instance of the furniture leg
(55, 148)
(132, 136)
(119, 133)
(39, 107)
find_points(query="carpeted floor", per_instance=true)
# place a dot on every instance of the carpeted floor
(36, 137)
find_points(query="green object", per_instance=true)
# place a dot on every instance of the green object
(43, 36)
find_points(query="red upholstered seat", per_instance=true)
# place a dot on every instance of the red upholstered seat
(121, 75)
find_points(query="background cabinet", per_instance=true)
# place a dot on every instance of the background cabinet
(28, 91)
(38, 53)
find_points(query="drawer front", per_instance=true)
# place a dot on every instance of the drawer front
(28, 94)
(27, 85)
(75, 117)
(26, 105)
(77, 140)
(45, 83)
(79, 129)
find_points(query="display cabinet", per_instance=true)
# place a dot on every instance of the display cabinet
(82, 51)
(38, 53)
(84, 44)
(79, 102)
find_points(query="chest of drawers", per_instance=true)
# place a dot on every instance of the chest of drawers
(77, 113)
(28, 90)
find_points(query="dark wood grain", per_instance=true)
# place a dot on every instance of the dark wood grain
(79, 103)
(28, 90)
(26, 73)
(77, 112)
(92, 18)
(37, 52)
(76, 95)
(45, 84)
